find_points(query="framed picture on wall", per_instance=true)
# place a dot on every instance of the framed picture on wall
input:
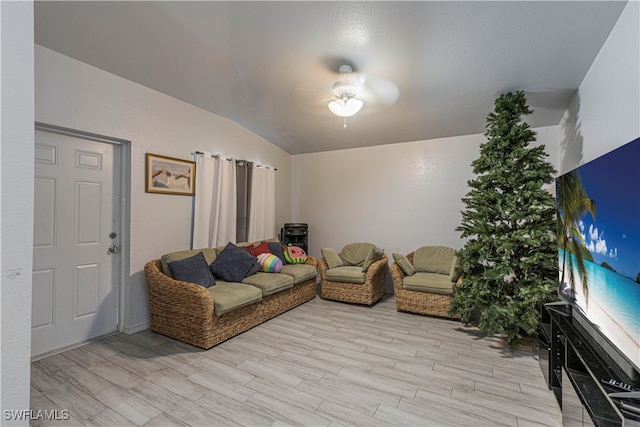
(167, 175)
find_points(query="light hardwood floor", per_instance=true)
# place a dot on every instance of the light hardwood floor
(321, 364)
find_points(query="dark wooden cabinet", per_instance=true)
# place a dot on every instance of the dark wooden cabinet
(296, 234)
(578, 369)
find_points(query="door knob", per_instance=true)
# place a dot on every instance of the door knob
(113, 249)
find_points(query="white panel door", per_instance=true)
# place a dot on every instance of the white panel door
(75, 272)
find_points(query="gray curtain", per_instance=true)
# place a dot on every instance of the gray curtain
(243, 188)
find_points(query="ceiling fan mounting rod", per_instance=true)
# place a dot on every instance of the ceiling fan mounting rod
(345, 69)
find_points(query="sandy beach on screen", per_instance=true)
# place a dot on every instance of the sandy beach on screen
(627, 341)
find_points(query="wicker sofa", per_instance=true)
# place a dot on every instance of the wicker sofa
(205, 317)
(428, 289)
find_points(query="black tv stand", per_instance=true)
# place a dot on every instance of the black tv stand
(588, 381)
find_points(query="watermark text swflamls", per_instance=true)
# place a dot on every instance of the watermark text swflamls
(31, 414)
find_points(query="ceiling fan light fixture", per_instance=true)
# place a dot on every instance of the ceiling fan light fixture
(345, 106)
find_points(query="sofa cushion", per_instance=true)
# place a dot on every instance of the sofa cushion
(346, 274)
(269, 283)
(254, 268)
(428, 282)
(269, 262)
(232, 264)
(299, 272)
(434, 259)
(209, 256)
(229, 296)
(243, 245)
(193, 269)
(331, 257)
(276, 249)
(294, 255)
(376, 254)
(356, 253)
(256, 250)
(404, 264)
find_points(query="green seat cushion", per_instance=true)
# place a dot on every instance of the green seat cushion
(375, 254)
(331, 257)
(433, 283)
(209, 256)
(229, 296)
(347, 274)
(434, 259)
(404, 263)
(269, 283)
(299, 272)
(356, 253)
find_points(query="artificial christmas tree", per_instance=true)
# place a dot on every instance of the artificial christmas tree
(509, 262)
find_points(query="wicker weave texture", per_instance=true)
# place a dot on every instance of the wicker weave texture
(370, 292)
(418, 302)
(185, 311)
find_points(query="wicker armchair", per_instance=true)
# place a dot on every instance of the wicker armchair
(369, 292)
(427, 303)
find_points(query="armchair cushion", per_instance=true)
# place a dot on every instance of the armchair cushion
(193, 269)
(356, 253)
(434, 259)
(346, 274)
(376, 254)
(428, 282)
(455, 275)
(331, 257)
(404, 264)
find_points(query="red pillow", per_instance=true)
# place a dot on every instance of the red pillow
(260, 249)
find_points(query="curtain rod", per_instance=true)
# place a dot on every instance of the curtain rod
(230, 159)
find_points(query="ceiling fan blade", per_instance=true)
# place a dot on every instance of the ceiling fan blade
(379, 90)
(328, 85)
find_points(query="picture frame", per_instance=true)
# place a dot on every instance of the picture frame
(168, 175)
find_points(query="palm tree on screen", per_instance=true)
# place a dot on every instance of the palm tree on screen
(574, 203)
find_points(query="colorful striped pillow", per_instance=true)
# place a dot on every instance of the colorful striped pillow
(270, 263)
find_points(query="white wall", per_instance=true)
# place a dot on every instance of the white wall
(16, 205)
(605, 113)
(603, 117)
(72, 94)
(399, 196)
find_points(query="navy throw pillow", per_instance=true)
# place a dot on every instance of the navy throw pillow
(232, 264)
(193, 269)
(276, 249)
(254, 268)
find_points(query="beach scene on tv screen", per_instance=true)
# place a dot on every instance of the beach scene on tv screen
(600, 217)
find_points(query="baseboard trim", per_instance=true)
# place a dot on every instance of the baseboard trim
(70, 347)
(135, 328)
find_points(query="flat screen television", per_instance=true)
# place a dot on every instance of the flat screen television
(599, 244)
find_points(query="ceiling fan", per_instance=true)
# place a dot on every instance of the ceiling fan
(352, 90)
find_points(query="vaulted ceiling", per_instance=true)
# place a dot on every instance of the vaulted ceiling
(270, 66)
